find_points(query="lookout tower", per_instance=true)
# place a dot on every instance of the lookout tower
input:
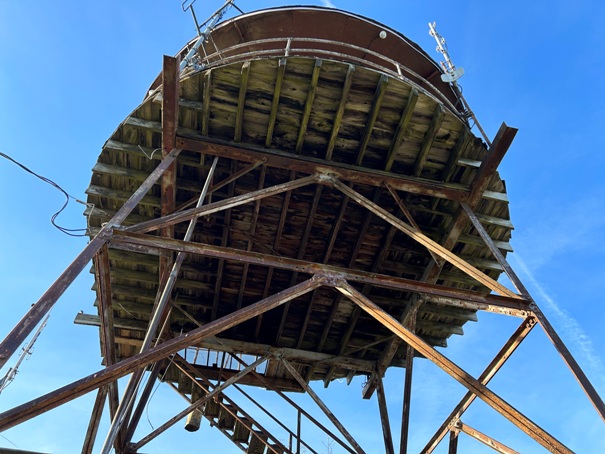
(299, 198)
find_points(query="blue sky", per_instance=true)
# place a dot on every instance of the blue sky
(70, 72)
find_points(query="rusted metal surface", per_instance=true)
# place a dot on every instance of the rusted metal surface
(384, 419)
(505, 352)
(473, 385)
(35, 314)
(486, 440)
(80, 387)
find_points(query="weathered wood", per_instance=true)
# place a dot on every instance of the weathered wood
(281, 68)
(402, 126)
(482, 301)
(429, 138)
(241, 101)
(311, 165)
(346, 88)
(372, 116)
(308, 106)
(95, 420)
(424, 240)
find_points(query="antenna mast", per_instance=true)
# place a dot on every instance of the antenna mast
(451, 74)
(25, 353)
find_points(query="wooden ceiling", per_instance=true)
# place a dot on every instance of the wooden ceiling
(273, 115)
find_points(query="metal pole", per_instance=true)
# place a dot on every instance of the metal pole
(134, 382)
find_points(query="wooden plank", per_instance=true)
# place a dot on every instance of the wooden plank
(461, 145)
(206, 96)
(281, 68)
(372, 116)
(308, 106)
(402, 126)
(429, 138)
(95, 420)
(473, 385)
(241, 101)
(346, 88)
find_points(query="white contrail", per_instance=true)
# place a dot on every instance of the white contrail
(570, 325)
(328, 4)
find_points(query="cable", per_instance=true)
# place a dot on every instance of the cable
(67, 197)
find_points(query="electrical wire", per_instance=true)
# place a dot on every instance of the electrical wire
(53, 218)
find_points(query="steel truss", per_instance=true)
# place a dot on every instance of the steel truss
(206, 392)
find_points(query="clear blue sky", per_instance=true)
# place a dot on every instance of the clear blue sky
(70, 72)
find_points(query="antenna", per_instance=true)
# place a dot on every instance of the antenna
(25, 353)
(204, 29)
(451, 74)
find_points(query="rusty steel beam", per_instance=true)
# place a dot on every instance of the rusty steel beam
(28, 410)
(323, 406)
(494, 366)
(464, 298)
(309, 165)
(488, 441)
(490, 163)
(424, 240)
(95, 420)
(38, 310)
(198, 403)
(106, 329)
(575, 368)
(154, 224)
(407, 389)
(465, 379)
(159, 314)
(384, 419)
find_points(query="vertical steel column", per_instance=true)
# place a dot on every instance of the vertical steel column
(407, 389)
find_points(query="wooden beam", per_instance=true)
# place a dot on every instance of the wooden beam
(488, 441)
(473, 385)
(28, 410)
(402, 127)
(281, 68)
(38, 310)
(429, 138)
(304, 122)
(310, 165)
(461, 145)
(206, 98)
(372, 116)
(241, 101)
(346, 88)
